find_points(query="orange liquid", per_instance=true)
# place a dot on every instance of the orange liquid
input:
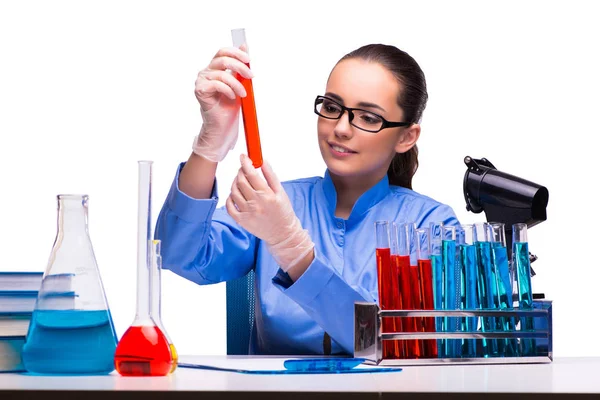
(251, 122)
(430, 346)
(143, 351)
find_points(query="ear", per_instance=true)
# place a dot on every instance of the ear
(408, 138)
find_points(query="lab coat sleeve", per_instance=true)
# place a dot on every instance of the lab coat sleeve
(201, 242)
(328, 299)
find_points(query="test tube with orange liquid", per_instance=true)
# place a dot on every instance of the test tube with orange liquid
(248, 106)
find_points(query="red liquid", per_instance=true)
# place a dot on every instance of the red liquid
(425, 271)
(251, 122)
(385, 286)
(143, 351)
(402, 263)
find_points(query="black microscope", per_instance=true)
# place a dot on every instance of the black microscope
(504, 198)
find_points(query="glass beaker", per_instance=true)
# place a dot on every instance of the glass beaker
(523, 271)
(71, 330)
(144, 350)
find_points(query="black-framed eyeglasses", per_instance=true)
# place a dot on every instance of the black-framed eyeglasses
(362, 119)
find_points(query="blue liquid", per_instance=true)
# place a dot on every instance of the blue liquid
(70, 342)
(503, 281)
(438, 295)
(468, 296)
(451, 300)
(523, 269)
(486, 286)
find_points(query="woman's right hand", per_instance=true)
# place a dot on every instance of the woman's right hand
(218, 91)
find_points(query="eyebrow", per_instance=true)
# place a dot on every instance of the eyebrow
(360, 104)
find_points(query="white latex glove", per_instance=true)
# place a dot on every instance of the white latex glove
(262, 207)
(217, 91)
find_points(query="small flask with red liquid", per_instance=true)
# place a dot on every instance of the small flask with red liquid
(144, 349)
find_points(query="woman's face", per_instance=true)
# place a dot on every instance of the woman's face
(348, 151)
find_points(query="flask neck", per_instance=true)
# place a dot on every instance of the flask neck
(72, 215)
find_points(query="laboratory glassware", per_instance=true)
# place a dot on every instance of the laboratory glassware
(71, 330)
(437, 269)
(426, 275)
(504, 284)
(384, 281)
(407, 287)
(468, 288)
(451, 301)
(144, 349)
(248, 106)
(486, 284)
(523, 272)
(400, 350)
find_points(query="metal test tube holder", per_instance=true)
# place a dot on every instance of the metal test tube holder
(368, 336)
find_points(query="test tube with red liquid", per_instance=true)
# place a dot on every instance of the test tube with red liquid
(384, 283)
(248, 106)
(401, 261)
(395, 293)
(426, 275)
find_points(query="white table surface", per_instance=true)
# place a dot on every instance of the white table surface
(563, 375)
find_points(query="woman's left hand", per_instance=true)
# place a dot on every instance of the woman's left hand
(262, 207)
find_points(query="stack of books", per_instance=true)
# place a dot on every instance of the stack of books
(18, 293)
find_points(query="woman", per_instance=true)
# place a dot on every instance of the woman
(310, 241)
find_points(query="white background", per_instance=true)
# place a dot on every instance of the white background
(88, 88)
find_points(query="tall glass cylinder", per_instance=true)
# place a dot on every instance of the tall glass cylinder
(426, 275)
(468, 287)
(523, 272)
(144, 350)
(407, 288)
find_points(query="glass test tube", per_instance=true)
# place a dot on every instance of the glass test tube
(486, 284)
(504, 286)
(468, 295)
(248, 106)
(451, 346)
(426, 275)
(384, 277)
(523, 272)
(407, 289)
(437, 269)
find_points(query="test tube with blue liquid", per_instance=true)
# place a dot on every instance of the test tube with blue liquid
(437, 269)
(468, 288)
(504, 284)
(452, 346)
(486, 284)
(523, 274)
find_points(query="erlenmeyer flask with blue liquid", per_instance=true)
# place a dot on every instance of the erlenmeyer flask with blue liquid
(71, 331)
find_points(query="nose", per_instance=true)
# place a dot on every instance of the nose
(343, 129)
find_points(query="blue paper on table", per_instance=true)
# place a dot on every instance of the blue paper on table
(304, 366)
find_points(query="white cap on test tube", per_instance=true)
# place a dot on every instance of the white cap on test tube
(239, 38)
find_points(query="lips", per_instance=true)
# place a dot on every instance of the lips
(341, 149)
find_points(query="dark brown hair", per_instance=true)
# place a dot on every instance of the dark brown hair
(412, 98)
